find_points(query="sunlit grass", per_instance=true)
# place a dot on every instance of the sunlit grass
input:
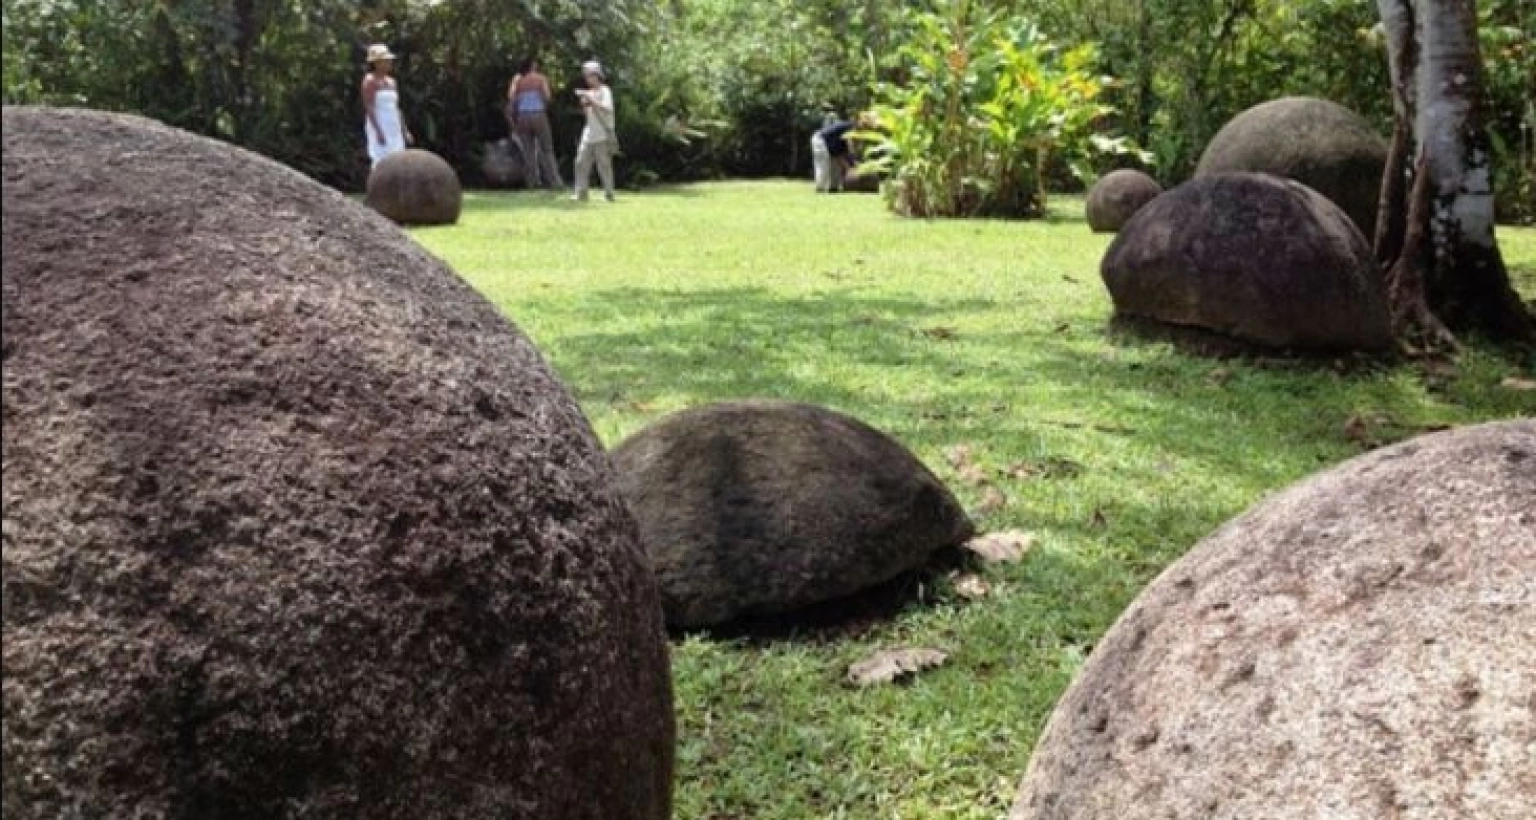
(990, 334)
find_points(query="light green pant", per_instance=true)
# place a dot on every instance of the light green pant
(601, 154)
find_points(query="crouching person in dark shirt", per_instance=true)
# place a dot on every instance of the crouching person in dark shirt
(830, 155)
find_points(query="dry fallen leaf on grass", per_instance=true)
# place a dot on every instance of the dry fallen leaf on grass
(992, 500)
(940, 333)
(972, 587)
(1053, 467)
(1517, 383)
(973, 475)
(1357, 429)
(1023, 470)
(1439, 369)
(1003, 547)
(958, 455)
(1220, 376)
(891, 664)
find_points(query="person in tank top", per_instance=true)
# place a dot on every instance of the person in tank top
(383, 125)
(528, 97)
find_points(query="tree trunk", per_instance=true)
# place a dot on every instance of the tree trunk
(1144, 76)
(1435, 236)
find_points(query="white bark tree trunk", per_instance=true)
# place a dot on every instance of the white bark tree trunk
(1436, 237)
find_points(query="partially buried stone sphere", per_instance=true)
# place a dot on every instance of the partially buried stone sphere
(1116, 197)
(415, 187)
(1320, 144)
(1361, 645)
(503, 163)
(763, 507)
(866, 183)
(1253, 260)
(295, 523)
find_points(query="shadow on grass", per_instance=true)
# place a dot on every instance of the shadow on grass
(713, 345)
(502, 202)
(880, 359)
(1082, 595)
(739, 343)
(849, 617)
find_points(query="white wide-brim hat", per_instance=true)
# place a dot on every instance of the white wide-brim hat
(377, 52)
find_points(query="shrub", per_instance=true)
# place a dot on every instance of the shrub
(985, 106)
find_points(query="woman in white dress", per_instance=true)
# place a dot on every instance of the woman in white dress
(383, 128)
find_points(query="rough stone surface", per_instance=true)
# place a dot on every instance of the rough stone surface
(862, 183)
(1118, 195)
(295, 523)
(1255, 257)
(1359, 646)
(504, 164)
(764, 507)
(415, 187)
(1318, 143)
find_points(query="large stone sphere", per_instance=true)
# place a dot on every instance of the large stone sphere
(296, 525)
(1253, 258)
(503, 163)
(1115, 197)
(866, 183)
(765, 507)
(415, 187)
(1318, 143)
(1359, 646)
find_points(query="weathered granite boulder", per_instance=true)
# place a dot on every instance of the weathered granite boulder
(1320, 144)
(865, 183)
(1251, 257)
(415, 187)
(296, 525)
(504, 164)
(1359, 646)
(1116, 196)
(765, 507)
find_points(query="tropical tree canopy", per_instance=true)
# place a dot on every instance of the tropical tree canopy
(712, 88)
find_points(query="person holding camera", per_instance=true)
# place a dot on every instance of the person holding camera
(599, 139)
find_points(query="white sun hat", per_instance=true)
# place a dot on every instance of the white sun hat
(379, 51)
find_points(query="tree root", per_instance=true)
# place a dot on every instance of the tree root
(1420, 333)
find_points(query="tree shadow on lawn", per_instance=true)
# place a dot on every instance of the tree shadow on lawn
(714, 345)
(735, 343)
(1083, 595)
(851, 616)
(499, 202)
(1033, 393)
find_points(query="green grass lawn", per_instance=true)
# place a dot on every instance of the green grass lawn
(988, 334)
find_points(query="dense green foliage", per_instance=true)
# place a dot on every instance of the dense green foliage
(1509, 52)
(981, 107)
(1189, 65)
(710, 88)
(281, 76)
